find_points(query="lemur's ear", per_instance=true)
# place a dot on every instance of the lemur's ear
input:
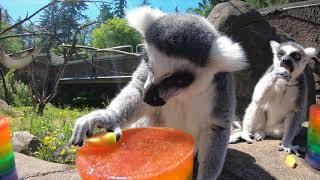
(142, 18)
(274, 46)
(310, 51)
(227, 55)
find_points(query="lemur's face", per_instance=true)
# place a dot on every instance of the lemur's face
(183, 53)
(291, 56)
(169, 77)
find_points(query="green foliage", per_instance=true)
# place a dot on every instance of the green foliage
(105, 12)
(19, 94)
(64, 18)
(265, 3)
(204, 7)
(119, 8)
(53, 149)
(115, 32)
(54, 129)
(11, 44)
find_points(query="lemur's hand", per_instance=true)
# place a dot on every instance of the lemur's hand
(282, 74)
(86, 124)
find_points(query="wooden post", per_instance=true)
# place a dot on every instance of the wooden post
(93, 69)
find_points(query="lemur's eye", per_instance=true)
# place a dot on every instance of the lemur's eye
(281, 53)
(296, 56)
(179, 79)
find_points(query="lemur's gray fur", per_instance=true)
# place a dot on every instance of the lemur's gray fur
(279, 101)
(183, 82)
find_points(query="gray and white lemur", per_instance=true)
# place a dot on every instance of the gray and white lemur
(183, 82)
(279, 101)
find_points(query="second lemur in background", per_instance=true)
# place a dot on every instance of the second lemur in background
(279, 101)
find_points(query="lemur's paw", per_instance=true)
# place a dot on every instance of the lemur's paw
(290, 149)
(259, 135)
(282, 73)
(234, 137)
(247, 137)
(85, 125)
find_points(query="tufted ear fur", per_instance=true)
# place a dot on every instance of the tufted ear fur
(274, 46)
(142, 18)
(310, 51)
(227, 55)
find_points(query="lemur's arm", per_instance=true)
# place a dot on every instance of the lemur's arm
(263, 89)
(214, 139)
(121, 107)
(293, 121)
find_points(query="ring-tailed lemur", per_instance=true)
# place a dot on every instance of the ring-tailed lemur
(279, 101)
(183, 82)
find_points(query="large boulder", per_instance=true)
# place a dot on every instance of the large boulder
(24, 142)
(3, 104)
(245, 25)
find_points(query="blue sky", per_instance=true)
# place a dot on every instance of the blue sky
(18, 8)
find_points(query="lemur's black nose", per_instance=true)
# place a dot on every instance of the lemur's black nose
(287, 63)
(152, 97)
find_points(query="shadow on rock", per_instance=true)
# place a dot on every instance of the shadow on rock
(240, 165)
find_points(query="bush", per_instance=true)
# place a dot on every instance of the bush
(19, 94)
(115, 32)
(54, 129)
(54, 148)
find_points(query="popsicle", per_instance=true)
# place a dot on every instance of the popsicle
(141, 153)
(7, 164)
(312, 156)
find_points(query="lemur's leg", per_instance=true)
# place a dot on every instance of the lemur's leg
(254, 120)
(214, 139)
(119, 110)
(275, 131)
(293, 119)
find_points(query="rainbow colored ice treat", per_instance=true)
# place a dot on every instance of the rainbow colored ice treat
(313, 144)
(7, 164)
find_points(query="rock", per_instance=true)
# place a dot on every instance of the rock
(32, 168)
(24, 142)
(248, 27)
(3, 104)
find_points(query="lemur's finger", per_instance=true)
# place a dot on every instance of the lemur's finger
(118, 132)
(79, 133)
(246, 136)
(280, 148)
(89, 133)
(73, 136)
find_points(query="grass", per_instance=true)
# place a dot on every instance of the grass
(54, 129)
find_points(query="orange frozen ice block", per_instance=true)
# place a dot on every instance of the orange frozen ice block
(141, 153)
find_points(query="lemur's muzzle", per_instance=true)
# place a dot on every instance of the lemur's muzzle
(287, 63)
(152, 96)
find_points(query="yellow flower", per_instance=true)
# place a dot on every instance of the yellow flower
(73, 149)
(63, 152)
(59, 143)
(46, 138)
(53, 148)
(55, 132)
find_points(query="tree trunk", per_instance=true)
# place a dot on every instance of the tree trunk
(34, 102)
(5, 89)
(41, 107)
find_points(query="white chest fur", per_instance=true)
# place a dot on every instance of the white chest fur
(189, 113)
(281, 104)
